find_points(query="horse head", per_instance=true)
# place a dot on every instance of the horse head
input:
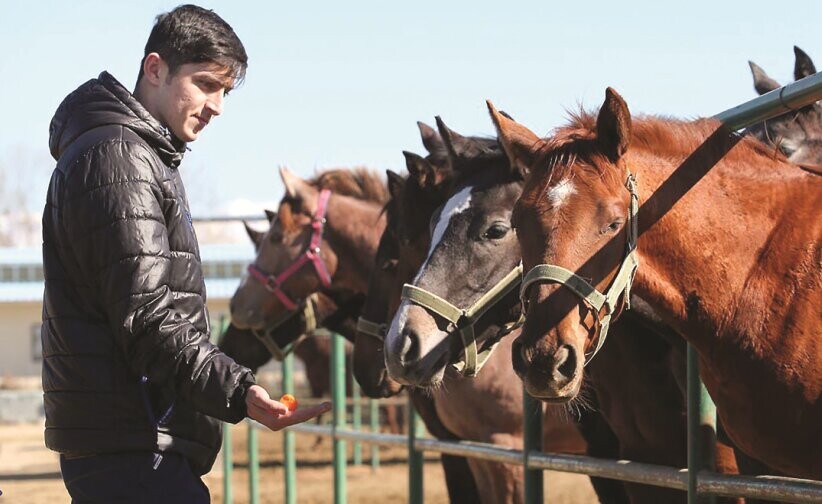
(469, 248)
(571, 222)
(798, 134)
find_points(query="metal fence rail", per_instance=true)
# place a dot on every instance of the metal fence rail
(698, 480)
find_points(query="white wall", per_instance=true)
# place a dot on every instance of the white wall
(19, 327)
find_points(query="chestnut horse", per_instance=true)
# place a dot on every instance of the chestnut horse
(751, 311)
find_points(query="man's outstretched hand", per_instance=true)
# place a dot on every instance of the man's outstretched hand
(275, 415)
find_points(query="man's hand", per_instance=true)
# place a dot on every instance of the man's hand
(275, 415)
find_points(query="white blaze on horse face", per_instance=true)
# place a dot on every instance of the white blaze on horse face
(560, 192)
(457, 204)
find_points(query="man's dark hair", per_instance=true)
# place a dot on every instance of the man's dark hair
(191, 34)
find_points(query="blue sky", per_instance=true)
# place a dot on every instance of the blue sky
(335, 84)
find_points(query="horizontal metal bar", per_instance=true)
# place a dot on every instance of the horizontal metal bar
(763, 487)
(229, 218)
(791, 97)
(471, 449)
(624, 470)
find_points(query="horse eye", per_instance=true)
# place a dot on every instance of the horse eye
(389, 265)
(495, 232)
(612, 227)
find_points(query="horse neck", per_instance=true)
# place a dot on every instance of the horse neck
(705, 225)
(354, 229)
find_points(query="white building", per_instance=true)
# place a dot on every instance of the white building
(21, 299)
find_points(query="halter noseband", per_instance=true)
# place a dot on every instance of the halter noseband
(621, 286)
(273, 284)
(309, 319)
(463, 321)
(373, 329)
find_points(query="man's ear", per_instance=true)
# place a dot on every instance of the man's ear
(256, 236)
(299, 190)
(519, 143)
(155, 69)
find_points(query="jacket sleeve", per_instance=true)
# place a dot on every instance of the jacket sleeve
(113, 218)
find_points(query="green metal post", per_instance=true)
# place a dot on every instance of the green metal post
(356, 420)
(289, 442)
(532, 431)
(701, 429)
(374, 420)
(338, 409)
(228, 465)
(228, 456)
(253, 466)
(414, 457)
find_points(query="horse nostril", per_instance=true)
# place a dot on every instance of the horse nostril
(565, 363)
(411, 345)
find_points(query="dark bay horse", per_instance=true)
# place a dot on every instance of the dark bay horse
(751, 311)
(798, 134)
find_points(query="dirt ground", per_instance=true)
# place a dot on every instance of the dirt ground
(30, 474)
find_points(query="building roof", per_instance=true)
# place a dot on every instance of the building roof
(32, 291)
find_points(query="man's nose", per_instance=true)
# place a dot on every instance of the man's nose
(215, 103)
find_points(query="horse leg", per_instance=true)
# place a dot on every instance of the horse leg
(462, 488)
(752, 467)
(391, 419)
(602, 443)
(498, 483)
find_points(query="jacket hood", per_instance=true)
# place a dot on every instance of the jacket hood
(102, 102)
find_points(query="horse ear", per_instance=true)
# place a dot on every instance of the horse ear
(299, 190)
(270, 215)
(395, 183)
(453, 141)
(519, 143)
(431, 139)
(762, 83)
(419, 169)
(256, 236)
(803, 66)
(614, 125)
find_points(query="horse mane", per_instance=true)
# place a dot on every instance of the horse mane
(664, 136)
(358, 182)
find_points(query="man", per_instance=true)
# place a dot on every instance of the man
(134, 392)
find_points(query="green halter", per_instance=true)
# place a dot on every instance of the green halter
(621, 286)
(463, 320)
(373, 329)
(310, 320)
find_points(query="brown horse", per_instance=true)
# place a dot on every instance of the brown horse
(751, 312)
(254, 349)
(323, 240)
(798, 134)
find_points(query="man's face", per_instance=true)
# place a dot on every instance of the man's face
(191, 97)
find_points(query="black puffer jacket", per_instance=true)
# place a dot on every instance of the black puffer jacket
(125, 296)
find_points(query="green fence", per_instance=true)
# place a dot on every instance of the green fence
(699, 480)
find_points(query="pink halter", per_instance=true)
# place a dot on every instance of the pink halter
(312, 254)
